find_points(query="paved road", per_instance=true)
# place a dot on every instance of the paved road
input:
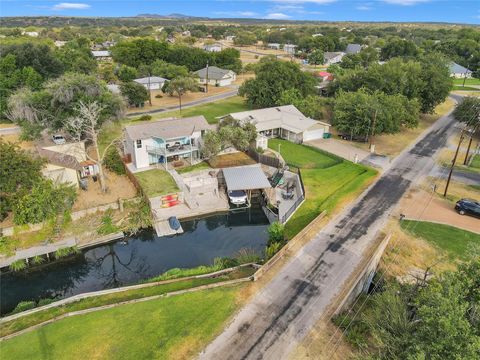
(209, 99)
(465, 177)
(279, 317)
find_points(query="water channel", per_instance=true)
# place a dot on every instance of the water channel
(133, 259)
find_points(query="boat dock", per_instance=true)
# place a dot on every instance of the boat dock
(162, 227)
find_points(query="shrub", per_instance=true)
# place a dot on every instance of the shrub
(113, 161)
(107, 226)
(64, 252)
(145, 118)
(37, 260)
(18, 265)
(43, 302)
(276, 233)
(272, 249)
(245, 256)
(225, 263)
(259, 150)
(23, 306)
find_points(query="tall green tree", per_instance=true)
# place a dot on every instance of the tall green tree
(468, 112)
(136, 94)
(316, 57)
(139, 51)
(399, 48)
(273, 77)
(180, 86)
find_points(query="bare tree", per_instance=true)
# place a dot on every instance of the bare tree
(85, 126)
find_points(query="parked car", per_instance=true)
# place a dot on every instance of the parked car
(58, 139)
(468, 207)
(237, 197)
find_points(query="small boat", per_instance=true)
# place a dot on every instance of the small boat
(174, 223)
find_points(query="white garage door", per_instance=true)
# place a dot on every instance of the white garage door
(313, 135)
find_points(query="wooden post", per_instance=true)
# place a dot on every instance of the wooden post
(453, 163)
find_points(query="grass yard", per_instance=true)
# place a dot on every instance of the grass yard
(454, 241)
(302, 156)
(200, 166)
(232, 159)
(328, 181)
(471, 81)
(175, 327)
(475, 162)
(211, 111)
(156, 182)
(465, 88)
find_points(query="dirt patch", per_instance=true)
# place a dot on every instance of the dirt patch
(232, 159)
(15, 138)
(118, 187)
(419, 204)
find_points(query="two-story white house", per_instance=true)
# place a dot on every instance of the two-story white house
(165, 141)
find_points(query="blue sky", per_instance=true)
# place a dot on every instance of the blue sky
(463, 11)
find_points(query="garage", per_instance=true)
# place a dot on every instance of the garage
(313, 134)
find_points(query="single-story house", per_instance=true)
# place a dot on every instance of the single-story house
(67, 163)
(164, 141)
(286, 122)
(230, 37)
(353, 48)
(102, 55)
(152, 82)
(216, 76)
(275, 46)
(458, 71)
(213, 47)
(289, 48)
(333, 57)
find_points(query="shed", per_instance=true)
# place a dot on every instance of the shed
(250, 177)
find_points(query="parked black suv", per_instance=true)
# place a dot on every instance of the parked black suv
(468, 207)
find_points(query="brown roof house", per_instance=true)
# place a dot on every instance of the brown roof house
(67, 163)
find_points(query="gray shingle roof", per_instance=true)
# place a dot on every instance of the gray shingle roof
(214, 73)
(248, 177)
(353, 48)
(167, 128)
(153, 80)
(330, 55)
(458, 69)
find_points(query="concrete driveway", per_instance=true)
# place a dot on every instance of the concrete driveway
(346, 151)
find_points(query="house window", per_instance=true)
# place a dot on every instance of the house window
(139, 144)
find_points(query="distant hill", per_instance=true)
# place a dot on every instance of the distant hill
(170, 16)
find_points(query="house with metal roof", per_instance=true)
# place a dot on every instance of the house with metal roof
(286, 122)
(353, 48)
(152, 82)
(216, 76)
(165, 141)
(458, 71)
(213, 47)
(102, 55)
(333, 57)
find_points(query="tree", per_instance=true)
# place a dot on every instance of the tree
(468, 112)
(228, 59)
(76, 57)
(19, 172)
(212, 144)
(399, 48)
(51, 106)
(139, 51)
(244, 39)
(135, 93)
(84, 125)
(127, 73)
(107, 73)
(43, 201)
(436, 80)
(362, 114)
(180, 86)
(312, 105)
(167, 70)
(316, 57)
(272, 78)
(364, 58)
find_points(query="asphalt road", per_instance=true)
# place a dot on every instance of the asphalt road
(205, 100)
(278, 317)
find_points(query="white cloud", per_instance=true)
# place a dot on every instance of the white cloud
(70, 6)
(277, 16)
(247, 13)
(405, 2)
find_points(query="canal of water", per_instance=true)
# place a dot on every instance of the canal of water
(133, 259)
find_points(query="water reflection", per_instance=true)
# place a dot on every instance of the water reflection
(136, 258)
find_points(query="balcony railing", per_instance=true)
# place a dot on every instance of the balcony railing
(171, 151)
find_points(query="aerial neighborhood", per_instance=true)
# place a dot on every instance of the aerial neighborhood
(255, 180)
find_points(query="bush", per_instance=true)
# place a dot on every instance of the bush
(43, 302)
(259, 150)
(37, 260)
(145, 118)
(272, 249)
(276, 233)
(18, 265)
(107, 226)
(245, 256)
(64, 252)
(113, 161)
(225, 263)
(23, 306)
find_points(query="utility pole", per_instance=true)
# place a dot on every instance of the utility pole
(464, 78)
(472, 132)
(149, 91)
(372, 145)
(206, 84)
(453, 163)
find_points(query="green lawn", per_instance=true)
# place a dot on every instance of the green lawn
(471, 81)
(305, 157)
(156, 182)
(456, 242)
(475, 162)
(200, 166)
(328, 180)
(210, 110)
(465, 88)
(177, 326)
